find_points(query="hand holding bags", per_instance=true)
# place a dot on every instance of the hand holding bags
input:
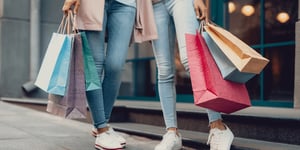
(73, 103)
(210, 89)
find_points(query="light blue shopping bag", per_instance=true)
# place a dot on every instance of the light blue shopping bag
(226, 67)
(54, 71)
(53, 74)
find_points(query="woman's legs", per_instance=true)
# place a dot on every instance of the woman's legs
(164, 57)
(95, 97)
(220, 137)
(185, 22)
(120, 21)
(163, 49)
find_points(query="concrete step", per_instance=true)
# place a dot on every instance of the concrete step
(198, 140)
(279, 125)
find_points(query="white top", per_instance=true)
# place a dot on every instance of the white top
(128, 2)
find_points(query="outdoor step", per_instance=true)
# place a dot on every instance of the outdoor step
(261, 123)
(198, 140)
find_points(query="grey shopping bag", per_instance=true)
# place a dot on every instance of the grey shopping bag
(73, 103)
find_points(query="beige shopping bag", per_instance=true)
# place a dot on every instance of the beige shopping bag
(244, 58)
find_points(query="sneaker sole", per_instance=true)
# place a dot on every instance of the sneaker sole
(98, 147)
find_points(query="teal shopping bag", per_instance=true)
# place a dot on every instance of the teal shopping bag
(92, 80)
(53, 73)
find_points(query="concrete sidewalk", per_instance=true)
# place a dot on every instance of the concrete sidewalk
(26, 129)
(23, 128)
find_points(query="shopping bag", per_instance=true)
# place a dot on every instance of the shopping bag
(226, 67)
(244, 58)
(92, 81)
(73, 104)
(53, 73)
(209, 88)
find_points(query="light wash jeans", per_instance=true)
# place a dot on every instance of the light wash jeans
(118, 23)
(173, 16)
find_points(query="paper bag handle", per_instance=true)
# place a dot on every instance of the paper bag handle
(208, 11)
(235, 48)
(68, 24)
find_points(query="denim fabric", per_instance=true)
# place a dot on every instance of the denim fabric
(170, 15)
(110, 58)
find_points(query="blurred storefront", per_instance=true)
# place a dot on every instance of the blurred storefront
(271, 27)
(268, 26)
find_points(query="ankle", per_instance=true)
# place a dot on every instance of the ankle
(217, 124)
(173, 129)
(102, 130)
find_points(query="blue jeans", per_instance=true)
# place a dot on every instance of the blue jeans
(117, 24)
(173, 17)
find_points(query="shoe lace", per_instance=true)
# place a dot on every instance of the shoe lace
(113, 132)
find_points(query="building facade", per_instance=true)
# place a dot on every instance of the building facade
(271, 27)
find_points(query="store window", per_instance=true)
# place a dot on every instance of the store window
(139, 75)
(269, 27)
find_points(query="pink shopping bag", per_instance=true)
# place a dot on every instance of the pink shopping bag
(210, 89)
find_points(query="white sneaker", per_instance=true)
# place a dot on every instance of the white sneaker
(220, 139)
(118, 137)
(94, 132)
(170, 141)
(106, 141)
